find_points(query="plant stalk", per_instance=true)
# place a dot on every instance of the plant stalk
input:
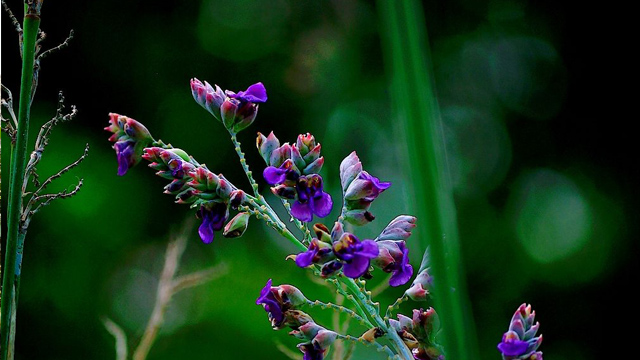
(416, 108)
(15, 232)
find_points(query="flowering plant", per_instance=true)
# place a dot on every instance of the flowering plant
(333, 252)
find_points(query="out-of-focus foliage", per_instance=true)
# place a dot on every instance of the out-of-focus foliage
(542, 175)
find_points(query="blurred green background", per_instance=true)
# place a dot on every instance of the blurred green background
(543, 172)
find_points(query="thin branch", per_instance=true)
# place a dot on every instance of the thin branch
(7, 128)
(64, 44)
(198, 278)
(14, 20)
(48, 198)
(7, 102)
(61, 172)
(119, 335)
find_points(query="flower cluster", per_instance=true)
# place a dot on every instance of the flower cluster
(343, 250)
(420, 333)
(194, 184)
(520, 342)
(282, 305)
(293, 170)
(236, 110)
(360, 189)
(130, 138)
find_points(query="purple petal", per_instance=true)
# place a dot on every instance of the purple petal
(301, 211)
(306, 258)
(357, 267)
(273, 175)
(513, 347)
(263, 293)
(322, 205)
(206, 230)
(402, 276)
(123, 164)
(255, 93)
(369, 249)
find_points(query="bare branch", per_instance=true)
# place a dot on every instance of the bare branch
(7, 102)
(14, 20)
(7, 128)
(43, 139)
(119, 335)
(198, 278)
(46, 53)
(46, 200)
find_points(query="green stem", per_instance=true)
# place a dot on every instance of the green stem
(245, 166)
(15, 234)
(407, 48)
(339, 308)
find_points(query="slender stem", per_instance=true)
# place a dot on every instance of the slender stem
(407, 48)
(339, 308)
(245, 166)
(15, 234)
(395, 305)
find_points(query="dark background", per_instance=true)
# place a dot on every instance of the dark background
(542, 154)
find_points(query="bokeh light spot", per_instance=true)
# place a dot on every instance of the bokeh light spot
(553, 219)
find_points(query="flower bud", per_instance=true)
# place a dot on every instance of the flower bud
(292, 295)
(358, 217)
(266, 146)
(420, 287)
(314, 167)
(245, 116)
(208, 97)
(297, 158)
(350, 167)
(237, 198)
(283, 191)
(228, 111)
(312, 155)
(280, 154)
(322, 233)
(236, 226)
(399, 228)
(305, 143)
(224, 188)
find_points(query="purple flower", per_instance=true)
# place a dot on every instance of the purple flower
(255, 93)
(279, 302)
(317, 252)
(394, 258)
(130, 138)
(311, 352)
(355, 254)
(365, 188)
(271, 305)
(319, 340)
(311, 199)
(213, 218)
(278, 175)
(511, 345)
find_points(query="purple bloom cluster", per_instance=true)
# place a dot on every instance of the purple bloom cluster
(293, 170)
(236, 110)
(130, 138)
(360, 190)
(343, 250)
(420, 333)
(520, 342)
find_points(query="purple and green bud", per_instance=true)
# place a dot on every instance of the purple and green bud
(130, 137)
(399, 228)
(319, 340)
(266, 145)
(209, 98)
(360, 190)
(322, 233)
(421, 286)
(394, 258)
(237, 198)
(420, 334)
(520, 342)
(237, 225)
